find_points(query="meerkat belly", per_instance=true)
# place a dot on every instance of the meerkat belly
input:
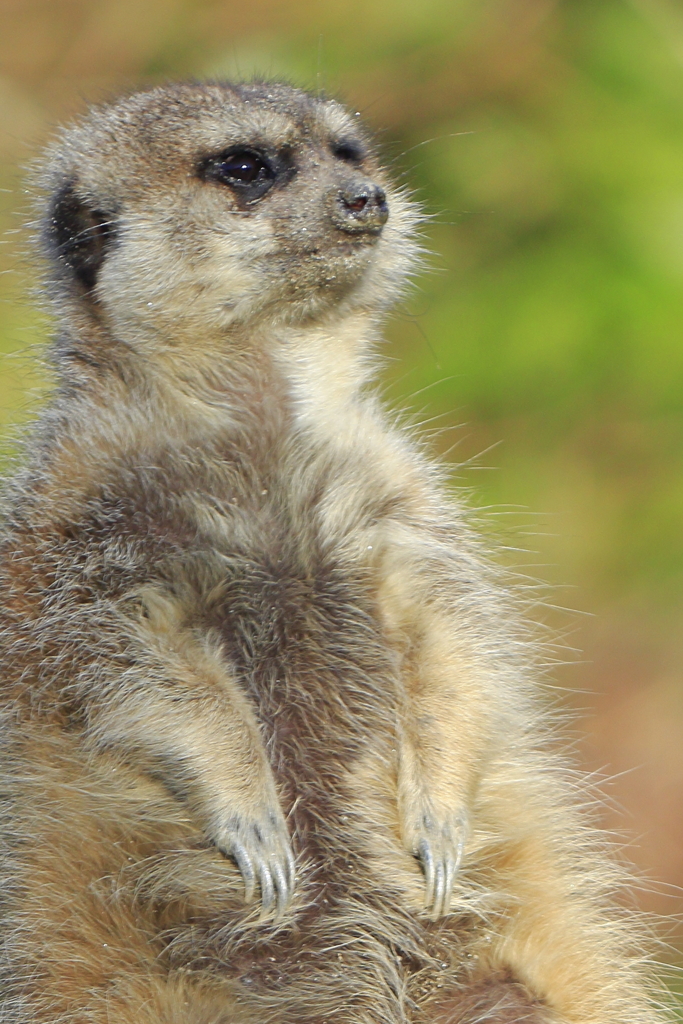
(312, 657)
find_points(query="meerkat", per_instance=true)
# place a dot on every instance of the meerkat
(271, 746)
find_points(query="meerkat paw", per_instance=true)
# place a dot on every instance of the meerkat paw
(261, 847)
(438, 841)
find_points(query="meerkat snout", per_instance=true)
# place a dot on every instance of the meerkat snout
(360, 207)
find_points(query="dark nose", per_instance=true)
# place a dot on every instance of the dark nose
(361, 206)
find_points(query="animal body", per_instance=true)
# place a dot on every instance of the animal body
(270, 749)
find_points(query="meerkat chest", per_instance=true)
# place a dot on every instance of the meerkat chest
(295, 607)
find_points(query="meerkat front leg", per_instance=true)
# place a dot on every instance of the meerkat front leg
(181, 714)
(444, 721)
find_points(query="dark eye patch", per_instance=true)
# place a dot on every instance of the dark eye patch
(348, 151)
(249, 173)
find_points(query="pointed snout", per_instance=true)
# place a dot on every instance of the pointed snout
(359, 207)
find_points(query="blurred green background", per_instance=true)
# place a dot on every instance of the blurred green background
(544, 346)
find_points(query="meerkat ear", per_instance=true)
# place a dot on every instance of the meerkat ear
(79, 235)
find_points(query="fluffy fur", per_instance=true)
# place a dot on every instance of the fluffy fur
(271, 748)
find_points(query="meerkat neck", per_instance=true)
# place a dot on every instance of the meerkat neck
(325, 367)
(290, 378)
(311, 375)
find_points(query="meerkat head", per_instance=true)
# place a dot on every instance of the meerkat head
(203, 206)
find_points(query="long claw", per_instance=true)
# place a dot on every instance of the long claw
(281, 888)
(267, 891)
(291, 870)
(425, 854)
(439, 889)
(247, 871)
(451, 871)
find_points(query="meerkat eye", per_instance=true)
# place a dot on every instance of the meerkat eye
(241, 169)
(349, 152)
(243, 166)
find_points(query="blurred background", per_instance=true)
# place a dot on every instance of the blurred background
(543, 347)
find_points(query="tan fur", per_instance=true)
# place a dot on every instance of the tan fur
(244, 623)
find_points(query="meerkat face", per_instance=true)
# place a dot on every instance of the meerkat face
(200, 206)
